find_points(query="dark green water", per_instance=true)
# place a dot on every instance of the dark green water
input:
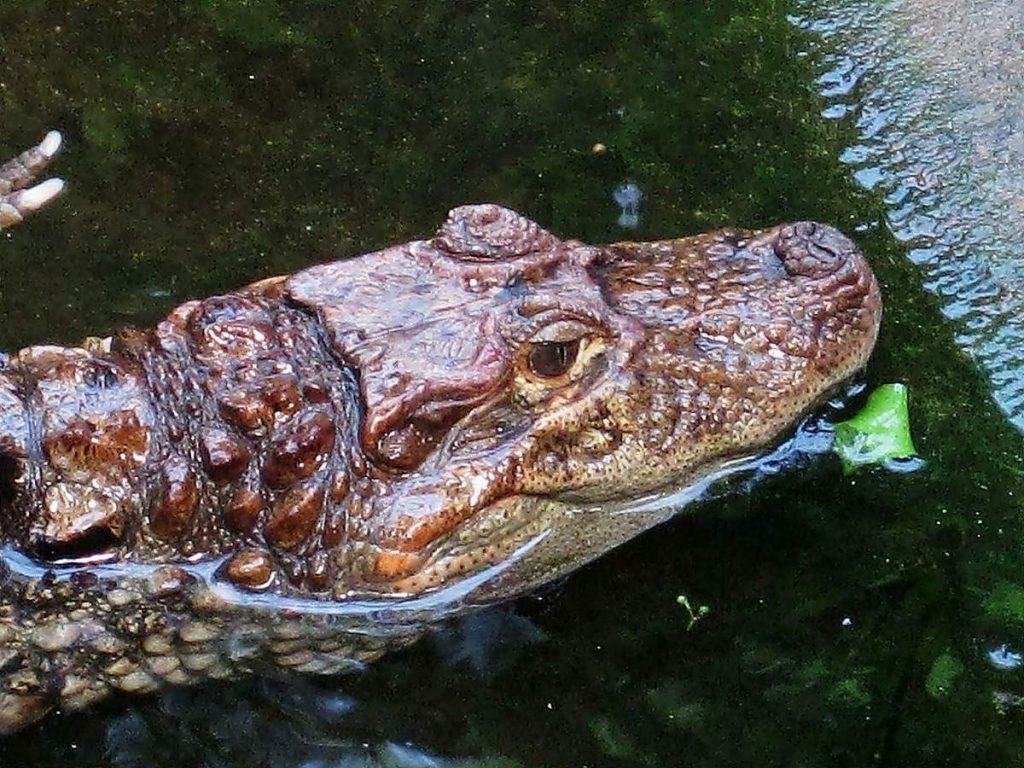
(213, 142)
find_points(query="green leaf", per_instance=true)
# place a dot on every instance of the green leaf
(880, 431)
(944, 671)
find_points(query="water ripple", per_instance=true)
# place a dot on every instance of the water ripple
(941, 136)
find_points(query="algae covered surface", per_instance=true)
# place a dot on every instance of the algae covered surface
(869, 619)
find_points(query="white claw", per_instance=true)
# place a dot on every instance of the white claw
(34, 198)
(50, 145)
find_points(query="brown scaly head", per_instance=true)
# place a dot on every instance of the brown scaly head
(522, 392)
(303, 472)
(493, 404)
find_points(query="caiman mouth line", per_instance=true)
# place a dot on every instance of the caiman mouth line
(306, 472)
(206, 582)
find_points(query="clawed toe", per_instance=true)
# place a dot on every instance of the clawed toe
(17, 197)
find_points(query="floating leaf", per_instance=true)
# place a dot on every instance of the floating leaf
(879, 432)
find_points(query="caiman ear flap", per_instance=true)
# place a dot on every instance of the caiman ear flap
(425, 344)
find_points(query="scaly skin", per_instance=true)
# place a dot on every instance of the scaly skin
(305, 472)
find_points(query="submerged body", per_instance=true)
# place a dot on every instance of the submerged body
(304, 473)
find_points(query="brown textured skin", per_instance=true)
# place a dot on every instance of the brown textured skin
(302, 473)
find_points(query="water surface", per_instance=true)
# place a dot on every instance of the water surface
(935, 91)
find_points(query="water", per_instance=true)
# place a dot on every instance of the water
(936, 93)
(871, 619)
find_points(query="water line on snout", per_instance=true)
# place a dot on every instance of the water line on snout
(808, 440)
(383, 611)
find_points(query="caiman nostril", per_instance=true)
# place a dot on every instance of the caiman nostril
(812, 250)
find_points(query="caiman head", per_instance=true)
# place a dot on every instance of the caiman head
(507, 405)
(526, 398)
(374, 443)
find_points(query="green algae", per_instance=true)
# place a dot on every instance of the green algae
(1005, 604)
(944, 671)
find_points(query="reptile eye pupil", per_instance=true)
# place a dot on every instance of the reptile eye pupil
(550, 359)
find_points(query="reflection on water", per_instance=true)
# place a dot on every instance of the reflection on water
(628, 197)
(936, 91)
(298, 726)
(1003, 658)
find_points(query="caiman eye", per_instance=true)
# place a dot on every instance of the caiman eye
(551, 359)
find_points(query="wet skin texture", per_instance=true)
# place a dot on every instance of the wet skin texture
(304, 473)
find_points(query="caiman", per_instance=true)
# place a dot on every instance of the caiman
(308, 471)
